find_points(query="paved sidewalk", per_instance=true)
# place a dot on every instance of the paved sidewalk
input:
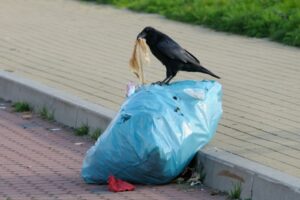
(83, 49)
(38, 161)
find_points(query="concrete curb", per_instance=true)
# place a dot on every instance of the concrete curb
(222, 169)
(67, 109)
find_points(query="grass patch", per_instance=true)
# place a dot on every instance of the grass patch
(235, 193)
(21, 107)
(82, 130)
(275, 19)
(45, 114)
(96, 134)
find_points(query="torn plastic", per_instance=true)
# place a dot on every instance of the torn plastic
(118, 185)
(156, 133)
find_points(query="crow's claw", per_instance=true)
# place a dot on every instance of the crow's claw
(158, 83)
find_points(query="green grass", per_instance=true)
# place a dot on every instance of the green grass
(21, 107)
(278, 20)
(45, 114)
(235, 193)
(96, 134)
(82, 130)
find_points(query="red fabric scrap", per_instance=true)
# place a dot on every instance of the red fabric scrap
(117, 185)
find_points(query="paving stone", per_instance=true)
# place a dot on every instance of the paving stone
(83, 49)
(55, 172)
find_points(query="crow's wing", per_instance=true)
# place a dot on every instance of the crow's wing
(192, 56)
(173, 51)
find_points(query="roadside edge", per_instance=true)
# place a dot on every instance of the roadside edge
(222, 169)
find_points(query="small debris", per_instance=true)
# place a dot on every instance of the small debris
(193, 183)
(118, 185)
(54, 129)
(78, 143)
(27, 116)
(2, 107)
(214, 192)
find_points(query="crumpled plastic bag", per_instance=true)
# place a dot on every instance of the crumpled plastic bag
(156, 133)
(118, 185)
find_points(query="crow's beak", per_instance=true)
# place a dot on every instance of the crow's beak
(142, 35)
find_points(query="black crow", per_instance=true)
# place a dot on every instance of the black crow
(171, 54)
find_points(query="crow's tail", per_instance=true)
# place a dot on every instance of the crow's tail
(206, 71)
(212, 74)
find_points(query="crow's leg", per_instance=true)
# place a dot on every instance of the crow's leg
(168, 76)
(169, 79)
(160, 82)
(171, 75)
(163, 81)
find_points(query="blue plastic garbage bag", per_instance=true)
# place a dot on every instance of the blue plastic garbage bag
(156, 133)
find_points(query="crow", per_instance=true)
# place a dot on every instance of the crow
(172, 55)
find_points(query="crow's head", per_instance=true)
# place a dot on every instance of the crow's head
(149, 34)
